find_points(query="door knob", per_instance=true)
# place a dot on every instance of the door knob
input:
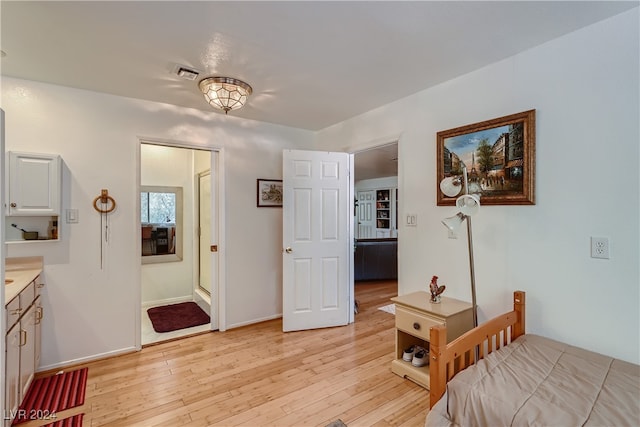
(288, 250)
(13, 205)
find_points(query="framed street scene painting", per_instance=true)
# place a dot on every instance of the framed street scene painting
(499, 156)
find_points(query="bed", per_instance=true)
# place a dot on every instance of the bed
(525, 379)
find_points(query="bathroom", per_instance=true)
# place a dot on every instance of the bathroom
(176, 259)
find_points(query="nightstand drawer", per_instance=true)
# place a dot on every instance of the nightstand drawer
(416, 324)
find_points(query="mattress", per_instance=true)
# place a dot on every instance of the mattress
(536, 381)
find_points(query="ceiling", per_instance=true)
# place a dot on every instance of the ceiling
(376, 162)
(311, 64)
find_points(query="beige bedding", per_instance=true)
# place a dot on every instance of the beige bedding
(538, 381)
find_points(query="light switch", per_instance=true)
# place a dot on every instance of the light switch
(412, 220)
(72, 216)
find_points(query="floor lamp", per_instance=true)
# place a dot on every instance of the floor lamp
(468, 204)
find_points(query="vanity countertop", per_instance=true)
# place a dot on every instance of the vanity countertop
(22, 271)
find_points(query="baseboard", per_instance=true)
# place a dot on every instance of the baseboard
(71, 363)
(149, 304)
(251, 322)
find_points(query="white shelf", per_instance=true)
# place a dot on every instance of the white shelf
(419, 375)
(14, 242)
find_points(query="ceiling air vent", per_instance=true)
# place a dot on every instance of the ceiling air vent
(186, 73)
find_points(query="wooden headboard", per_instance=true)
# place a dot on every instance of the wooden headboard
(449, 359)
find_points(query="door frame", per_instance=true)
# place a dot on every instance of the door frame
(353, 150)
(3, 327)
(196, 246)
(219, 168)
(213, 171)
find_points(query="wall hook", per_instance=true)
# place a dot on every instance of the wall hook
(105, 199)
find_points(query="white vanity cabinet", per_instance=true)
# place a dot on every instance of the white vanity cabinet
(34, 184)
(12, 381)
(27, 349)
(22, 342)
(39, 313)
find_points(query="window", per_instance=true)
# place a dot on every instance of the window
(161, 222)
(158, 208)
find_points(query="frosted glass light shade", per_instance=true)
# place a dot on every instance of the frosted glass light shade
(453, 223)
(468, 204)
(474, 188)
(225, 93)
(451, 186)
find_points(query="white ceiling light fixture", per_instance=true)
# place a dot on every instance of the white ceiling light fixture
(225, 93)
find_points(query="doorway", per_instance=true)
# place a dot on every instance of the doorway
(377, 217)
(178, 265)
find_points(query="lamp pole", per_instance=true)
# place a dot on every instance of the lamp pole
(471, 263)
(473, 276)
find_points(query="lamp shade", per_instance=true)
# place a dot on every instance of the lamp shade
(468, 204)
(453, 223)
(451, 186)
(474, 188)
(225, 93)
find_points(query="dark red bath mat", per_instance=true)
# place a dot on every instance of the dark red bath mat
(172, 317)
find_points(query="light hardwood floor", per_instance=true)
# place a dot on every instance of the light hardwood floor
(259, 376)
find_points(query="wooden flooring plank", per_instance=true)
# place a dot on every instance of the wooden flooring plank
(259, 376)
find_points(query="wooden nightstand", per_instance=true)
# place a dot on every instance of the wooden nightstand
(415, 315)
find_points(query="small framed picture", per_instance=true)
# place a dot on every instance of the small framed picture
(269, 193)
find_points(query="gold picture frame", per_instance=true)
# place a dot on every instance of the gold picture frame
(499, 155)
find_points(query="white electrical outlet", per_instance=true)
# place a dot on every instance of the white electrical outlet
(600, 247)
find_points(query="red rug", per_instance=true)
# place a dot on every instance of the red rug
(172, 317)
(49, 395)
(75, 421)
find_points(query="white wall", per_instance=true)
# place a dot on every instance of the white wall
(91, 312)
(375, 183)
(170, 167)
(585, 89)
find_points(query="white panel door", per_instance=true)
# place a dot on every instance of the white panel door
(366, 214)
(316, 254)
